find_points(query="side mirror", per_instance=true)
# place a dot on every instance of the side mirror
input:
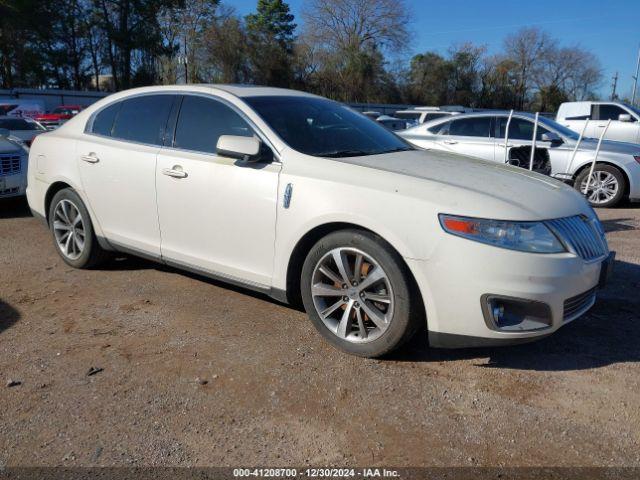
(5, 133)
(248, 149)
(551, 137)
(624, 117)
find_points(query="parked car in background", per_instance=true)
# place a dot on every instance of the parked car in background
(625, 119)
(302, 198)
(58, 116)
(373, 115)
(22, 129)
(19, 107)
(392, 123)
(482, 135)
(13, 166)
(416, 116)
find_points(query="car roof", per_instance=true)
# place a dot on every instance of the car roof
(485, 113)
(241, 90)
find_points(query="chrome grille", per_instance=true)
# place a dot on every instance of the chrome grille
(581, 235)
(577, 305)
(9, 164)
(9, 191)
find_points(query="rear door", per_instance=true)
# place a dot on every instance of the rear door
(468, 136)
(117, 163)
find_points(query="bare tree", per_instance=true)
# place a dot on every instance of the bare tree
(357, 25)
(225, 44)
(527, 48)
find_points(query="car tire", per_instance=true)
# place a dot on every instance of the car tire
(73, 236)
(381, 290)
(604, 196)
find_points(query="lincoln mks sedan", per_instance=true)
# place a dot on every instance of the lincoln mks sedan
(303, 199)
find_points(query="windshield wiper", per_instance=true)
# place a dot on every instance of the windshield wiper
(344, 153)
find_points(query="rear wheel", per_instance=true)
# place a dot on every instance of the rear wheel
(606, 186)
(72, 231)
(358, 294)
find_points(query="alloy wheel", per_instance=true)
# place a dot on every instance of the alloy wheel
(352, 295)
(68, 229)
(603, 186)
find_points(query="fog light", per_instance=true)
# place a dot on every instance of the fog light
(510, 314)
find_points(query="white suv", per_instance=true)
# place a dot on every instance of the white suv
(625, 119)
(302, 198)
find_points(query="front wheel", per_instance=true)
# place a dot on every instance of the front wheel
(359, 295)
(606, 185)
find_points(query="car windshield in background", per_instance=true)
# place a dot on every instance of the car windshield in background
(322, 128)
(635, 110)
(19, 124)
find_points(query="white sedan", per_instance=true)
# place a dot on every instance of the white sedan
(304, 199)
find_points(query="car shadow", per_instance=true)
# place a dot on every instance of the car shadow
(607, 334)
(123, 262)
(14, 207)
(8, 316)
(618, 225)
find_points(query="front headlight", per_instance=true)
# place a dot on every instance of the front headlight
(532, 237)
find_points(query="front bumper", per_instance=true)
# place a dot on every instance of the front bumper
(13, 186)
(460, 272)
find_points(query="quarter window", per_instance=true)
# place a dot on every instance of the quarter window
(103, 121)
(203, 120)
(143, 119)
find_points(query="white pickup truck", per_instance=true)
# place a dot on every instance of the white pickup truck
(625, 119)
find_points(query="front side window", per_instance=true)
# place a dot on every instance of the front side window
(610, 112)
(203, 120)
(323, 128)
(471, 127)
(143, 119)
(519, 129)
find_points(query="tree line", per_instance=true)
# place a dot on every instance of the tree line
(349, 50)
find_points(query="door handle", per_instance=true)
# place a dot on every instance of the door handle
(91, 158)
(601, 126)
(450, 142)
(175, 172)
(508, 145)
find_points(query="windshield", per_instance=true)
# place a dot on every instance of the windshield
(323, 128)
(635, 110)
(561, 129)
(19, 124)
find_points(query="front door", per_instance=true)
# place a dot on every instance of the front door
(217, 214)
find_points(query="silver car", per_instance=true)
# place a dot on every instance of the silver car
(482, 135)
(21, 129)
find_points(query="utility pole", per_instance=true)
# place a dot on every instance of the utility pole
(613, 86)
(635, 80)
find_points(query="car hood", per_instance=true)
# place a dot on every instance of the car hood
(26, 135)
(610, 146)
(467, 186)
(7, 146)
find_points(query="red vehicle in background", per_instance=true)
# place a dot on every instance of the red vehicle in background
(58, 116)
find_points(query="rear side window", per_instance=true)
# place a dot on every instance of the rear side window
(202, 121)
(471, 127)
(103, 121)
(143, 119)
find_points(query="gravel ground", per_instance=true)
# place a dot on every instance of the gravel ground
(193, 372)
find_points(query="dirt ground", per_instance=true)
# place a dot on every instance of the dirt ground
(198, 373)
